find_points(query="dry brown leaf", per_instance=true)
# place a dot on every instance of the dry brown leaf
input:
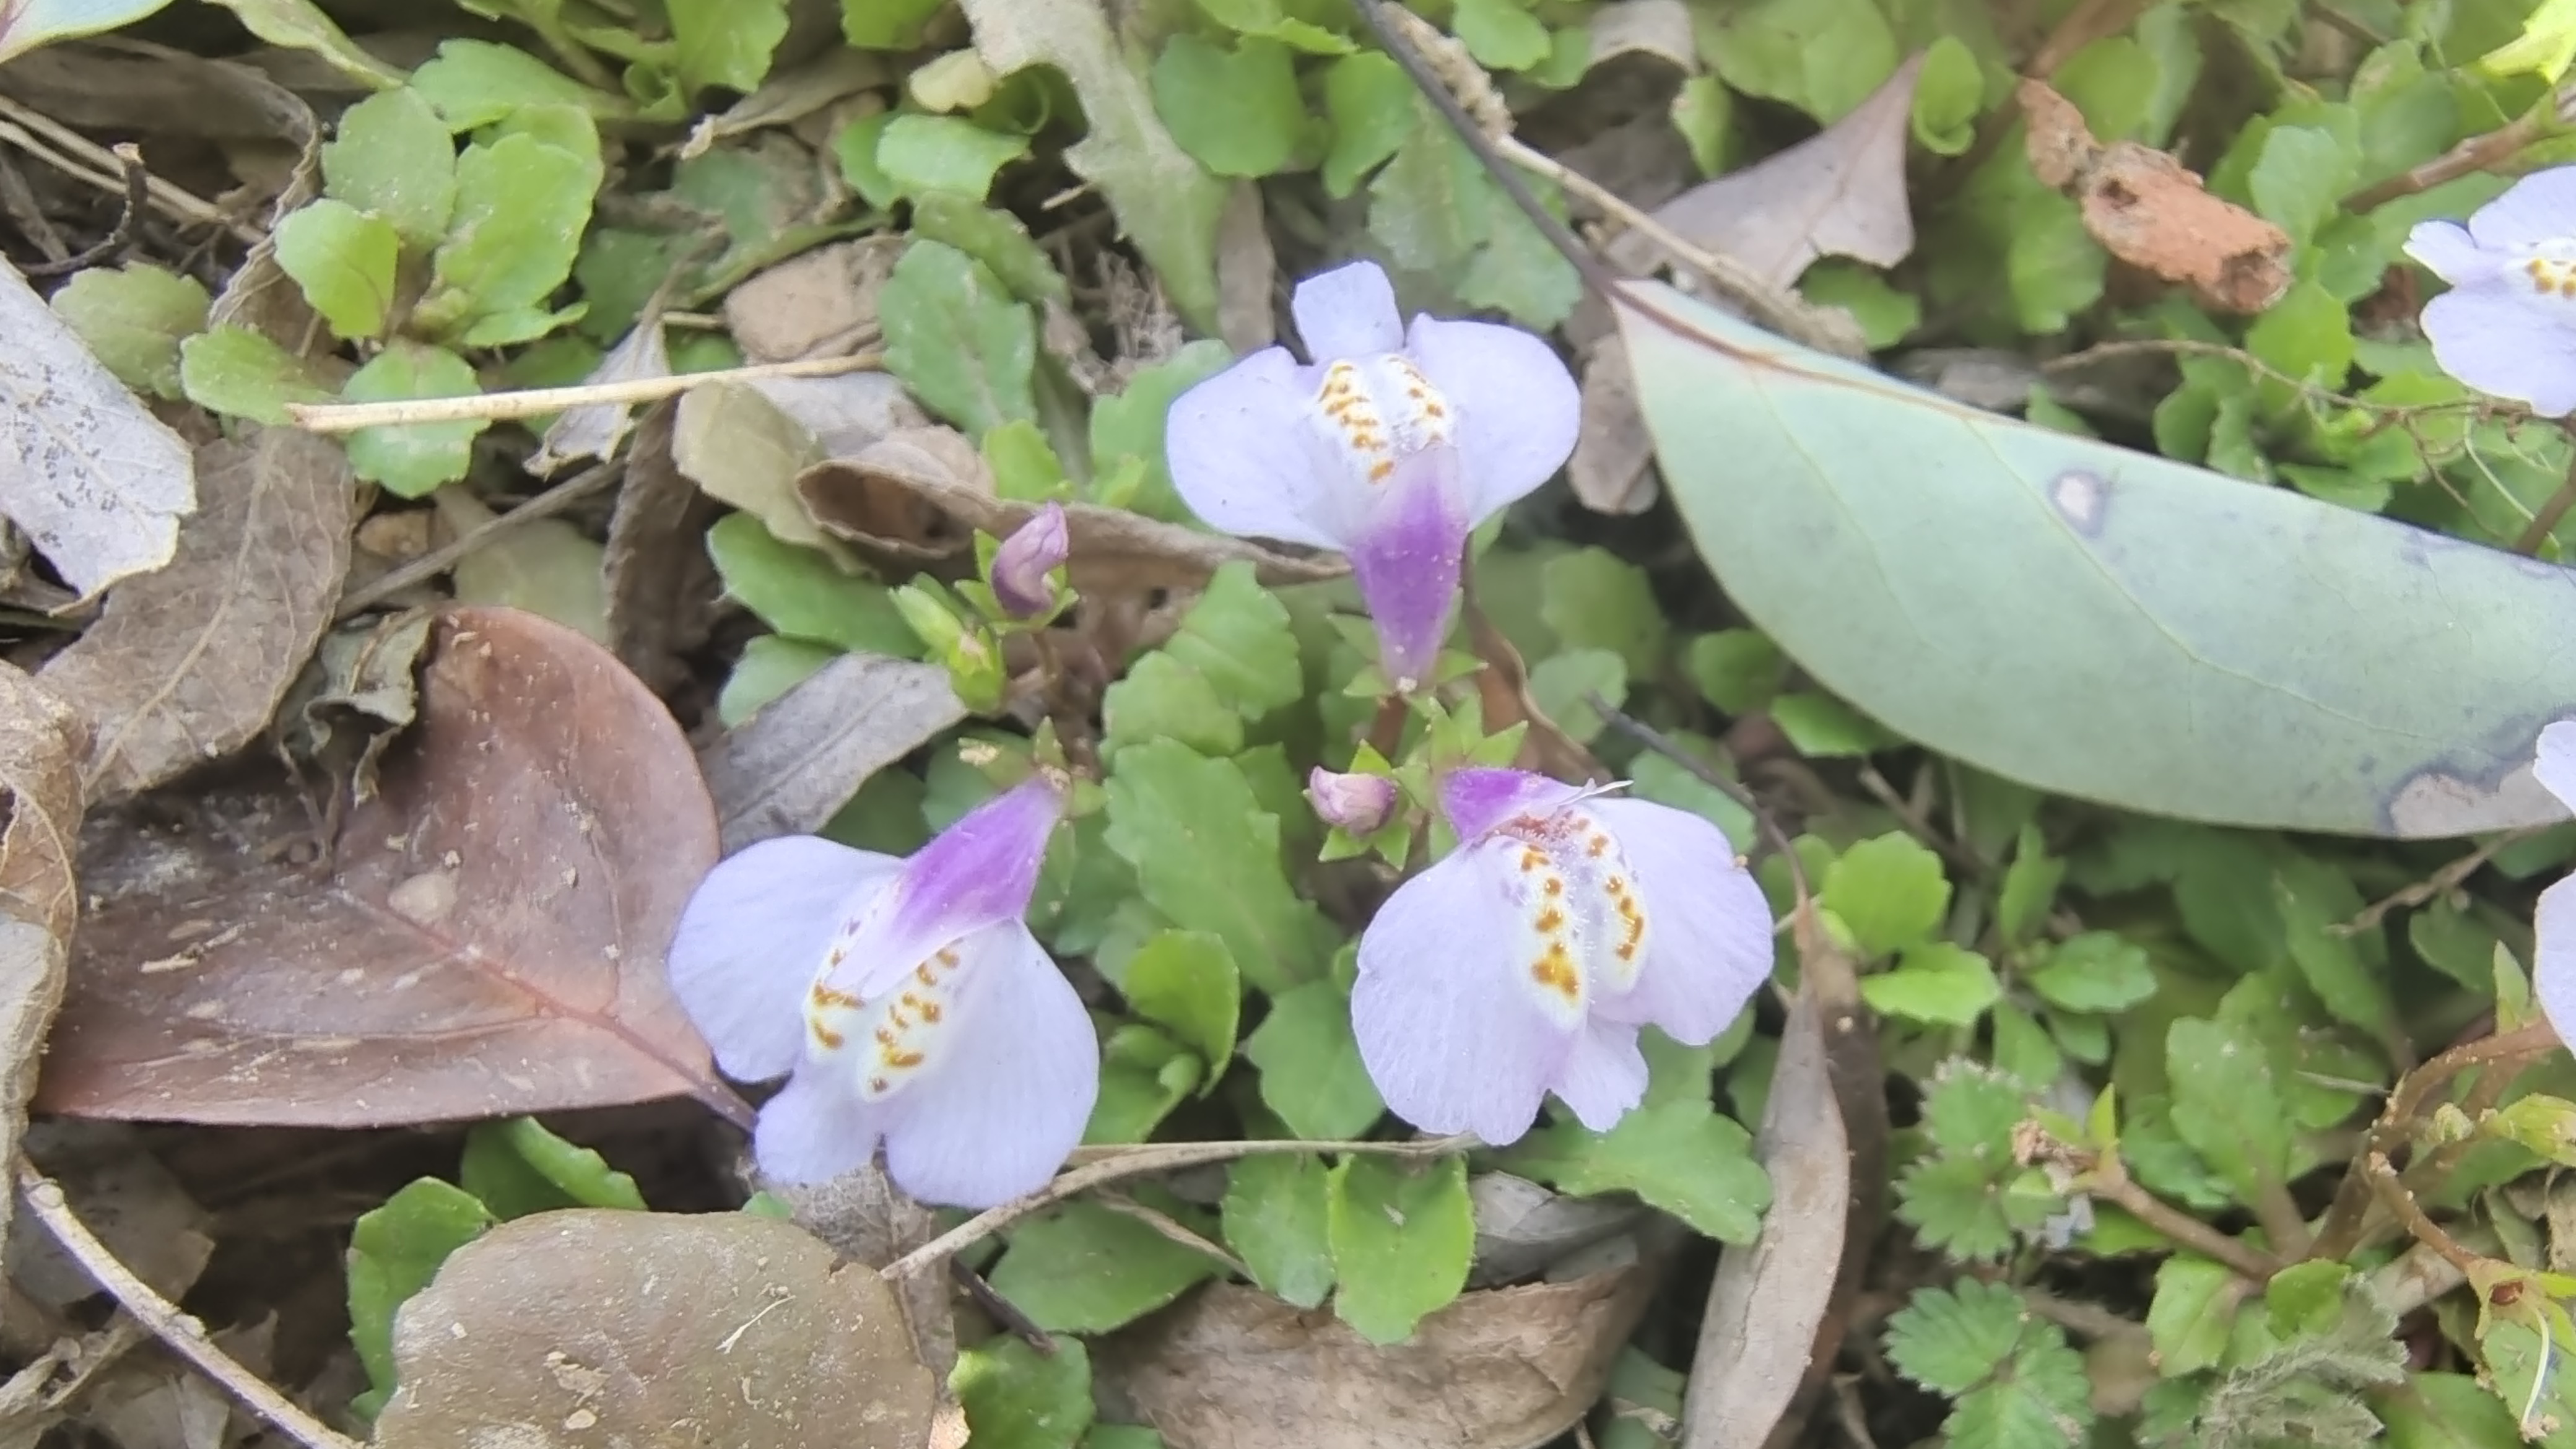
(790, 766)
(661, 585)
(1247, 273)
(1613, 467)
(792, 93)
(867, 1219)
(596, 1327)
(41, 741)
(1660, 28)
(187, 664)
(1114, 551)
(2148, 210)
(595, 430)
(128, 1198)
(487, 940)
(361, 687)
(822, 303)
(93, 477)
(1522, 1229)
(1512, 1368)
(745, 444)
(1839, 193)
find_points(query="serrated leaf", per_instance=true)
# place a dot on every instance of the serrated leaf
(391, 155)
(1238, 638)
(2046, 1402)
(2228, 1103)
(1594, 599)
(1951, 1339)
(944, 153)
(2030, 886)
(802, 594)
(1311, 1073)
(133, 319)
(1277, 1219)
(1186, 981)
(1237, 111)
(1016, 1397)
(522, 204)
(1144, 1075)
(411, 459)
(2100, 971)
(1087, 1269)
(232, 370)
(1500, 34)
(1207, 856)
(958, 339)
(1402, 1236)
(343, 259)
(1737, 670)
(1130, 424)
(2192, 1314)
(394, 1250)
(1163, 699)
(1680, 1156)
(1935, 982)
(1369, 102)
(1889, 892)
(725, 43)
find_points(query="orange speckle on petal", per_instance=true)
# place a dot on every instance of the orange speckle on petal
(1379, 470)
(1550, 921)
(1555, 971)
(830, 1039)
(826, 996)
(902, 1061)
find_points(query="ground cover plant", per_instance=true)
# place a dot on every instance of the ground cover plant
(1233, 722)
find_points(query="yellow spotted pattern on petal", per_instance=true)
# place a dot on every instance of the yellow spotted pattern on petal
(899, 1030)
(1585, 918)
(1376, 410)
(2552, 276)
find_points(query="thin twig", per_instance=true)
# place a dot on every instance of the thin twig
(1917, 826)
(1653, 739)
(439, 560)
(1000, 1309)
(2392, 1193)
(2089, 1319)
(183, 1333)
(2478, 153)
(1162, 1223)
(88, 161)
(2440, 883)
(2347, 1221)
(496, 407)
(1119, 1162)
(138, 194)
(2108, 1179)
(2545, 522)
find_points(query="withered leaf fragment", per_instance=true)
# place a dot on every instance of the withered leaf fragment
(486, 938)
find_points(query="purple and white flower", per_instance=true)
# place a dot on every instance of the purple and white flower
(1525, 962)
(1021, 565)
(907, 999)
(1390, 446)
(2553, 922)
(1356, 803)
(2507, 327)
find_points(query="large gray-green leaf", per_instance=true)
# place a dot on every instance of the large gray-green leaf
(2101, 622)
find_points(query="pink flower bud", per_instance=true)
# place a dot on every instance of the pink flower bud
(1359, 804)
(1020, 567)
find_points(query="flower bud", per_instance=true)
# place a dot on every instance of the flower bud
(1355, 803)
(1020, 567)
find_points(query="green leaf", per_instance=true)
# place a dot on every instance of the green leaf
(1207, 856)
(2315, 900)
(2307, 334)
(232, 370)
(1948, 95)
(1131, 423)
(2192, 1314)
(1187, 981)
(2098, 971)
(394, 1250)
(2300, 177)
(1935, 982)
(944, 153)
(1952, 1339)
(133, 319)
(343, 259)
(1144, 1074)
(1593, 599)
(301, 25)
(1822, 56)
(2045, 1402)
(1087, 1269)
(2306, 1297)
(802, 594)
(1737, 670)
(517, 1167)
(726, 43)
(1888, 891)
(1237, 636)
(32, 23)
(521, 206)
(957, 339)
(1680, 1156)
(886, 24)
(1438, 213)
(769, 667)
(998, 239)
(1885, 314)
(1277, 1220)
(474, 83)
(392, 155)
(2227, 1102)
(1500, 34)
(1163, 699)
(1016, 1397)
(2029, 887)
(1822, 727)
(1834, 507)
(1402, 1235)
(1237, 111)
(1370, 104)
(412, 459)
(1955, 1207)
(1562, 685)
(1311, 1073)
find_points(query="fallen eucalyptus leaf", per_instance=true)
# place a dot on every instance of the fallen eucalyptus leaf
(486, 939)
(790, 766)
(188, 663)
(41, 740)
(1511, 1368)
(96, 480)
(599, 1327)
(31, 23)
(2104, 623)
(1839, 193)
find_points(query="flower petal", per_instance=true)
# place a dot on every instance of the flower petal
(2539, 208)
(1405, 559)
(1709, 942)
(1476, 800)
(2453, 255)
(1517, 407)
(2555, 761)
(2508, 344)
(1347, 312)
(753, 937)
(1248, 461)
(2553, 966)
(997, 1115)
(977, 873)
(816, 1128)
(1604, 1076)
(1452, 1041)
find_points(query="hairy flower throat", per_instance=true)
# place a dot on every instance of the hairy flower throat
(1376, 410)
(1583, 916)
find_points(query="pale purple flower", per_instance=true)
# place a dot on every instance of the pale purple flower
(906, 997)
(1391, 446)
(1021, 565)
(1525, 962)
(2553, 923)
(2507, 327)
(1356, 803)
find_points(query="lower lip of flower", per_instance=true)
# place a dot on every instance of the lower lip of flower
(887, 1042)
(1583, 917)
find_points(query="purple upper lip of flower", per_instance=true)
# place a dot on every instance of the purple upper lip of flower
(1526, 961)
(2508, 325)
(1391, 446)
(907, 1000)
